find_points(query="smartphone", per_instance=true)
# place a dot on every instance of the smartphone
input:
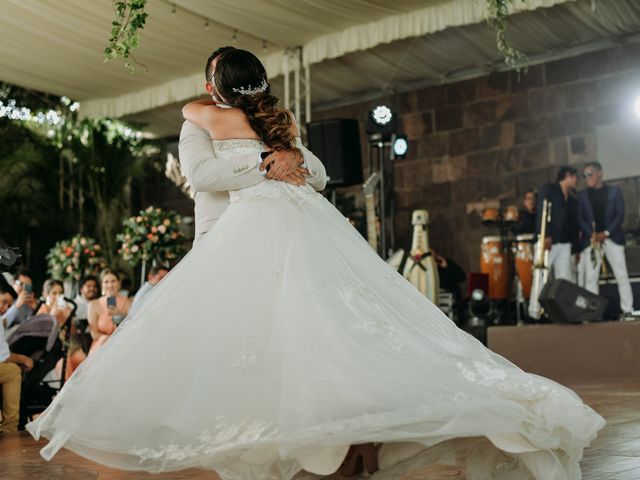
(60, 303)
(28, 287)
(111, 302)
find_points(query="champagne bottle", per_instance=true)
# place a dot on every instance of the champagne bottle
(421, 269)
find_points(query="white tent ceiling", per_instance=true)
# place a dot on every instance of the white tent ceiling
(354, 47)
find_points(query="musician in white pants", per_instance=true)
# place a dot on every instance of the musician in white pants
(600, 217)
(562, 229)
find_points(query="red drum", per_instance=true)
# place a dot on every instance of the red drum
(524, 262)
(493, 262)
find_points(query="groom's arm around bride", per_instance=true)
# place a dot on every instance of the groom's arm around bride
(206, 173)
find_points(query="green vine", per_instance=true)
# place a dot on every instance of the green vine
(130, 17)
(498, 12)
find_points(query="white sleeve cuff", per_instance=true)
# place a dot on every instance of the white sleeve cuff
(260, 160)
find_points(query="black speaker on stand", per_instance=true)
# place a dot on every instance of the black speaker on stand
(336, 143)
(565, 302)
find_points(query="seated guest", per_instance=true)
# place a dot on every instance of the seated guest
(10, 373)
(88, 292)
(25, 304)
(528, 213)
(106, 312)
(153, 277)
(54, 304)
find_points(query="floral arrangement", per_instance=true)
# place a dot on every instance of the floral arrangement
(151, 236)
(75, 258)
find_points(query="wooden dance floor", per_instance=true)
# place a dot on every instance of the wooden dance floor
(615, 455)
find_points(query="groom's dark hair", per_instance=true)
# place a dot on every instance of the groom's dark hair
(212, 57)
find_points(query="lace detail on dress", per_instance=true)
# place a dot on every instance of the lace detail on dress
(248, 353)
(273, 190)
(224, 145)
(521, 389)
(376, 327)
(223, 436)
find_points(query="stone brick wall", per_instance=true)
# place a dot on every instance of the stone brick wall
(494, 137)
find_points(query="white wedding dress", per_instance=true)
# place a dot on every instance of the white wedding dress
(281, 339)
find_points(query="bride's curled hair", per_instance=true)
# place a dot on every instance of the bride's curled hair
(239, 69)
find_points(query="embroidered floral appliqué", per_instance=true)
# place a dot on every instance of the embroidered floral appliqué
(248, 354)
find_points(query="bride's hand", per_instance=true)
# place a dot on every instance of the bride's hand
(282, 163)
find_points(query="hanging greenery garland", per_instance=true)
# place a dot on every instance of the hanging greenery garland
(130, 17)
(498, 12)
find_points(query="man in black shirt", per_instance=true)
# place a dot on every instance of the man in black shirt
(562, 228)
(528, 213)
(600, 216)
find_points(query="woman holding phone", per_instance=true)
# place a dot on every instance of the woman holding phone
(106, 312)
(56, 306)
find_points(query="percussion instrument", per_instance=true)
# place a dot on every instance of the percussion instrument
(524, 261)
(490, 216)
(493, 261)
(511, 214)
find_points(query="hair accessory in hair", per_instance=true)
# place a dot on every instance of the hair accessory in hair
(252, 91)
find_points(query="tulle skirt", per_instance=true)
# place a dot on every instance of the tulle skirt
(280, 340)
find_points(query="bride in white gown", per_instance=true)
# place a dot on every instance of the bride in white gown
(281, 339)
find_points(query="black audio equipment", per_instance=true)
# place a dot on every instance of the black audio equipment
(565, 302)
(337, 144)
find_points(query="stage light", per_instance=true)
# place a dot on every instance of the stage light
(381, 115)
(400, 146)
(381, 122)
(636, 107)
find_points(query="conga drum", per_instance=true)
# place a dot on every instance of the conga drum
(524, 262)
(511, 214)
(493, 262)
(490, 216)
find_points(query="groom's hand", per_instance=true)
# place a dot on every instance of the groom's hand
(285, 165)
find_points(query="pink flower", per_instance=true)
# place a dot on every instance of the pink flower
(162, 229)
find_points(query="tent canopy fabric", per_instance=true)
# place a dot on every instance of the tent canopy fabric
(352, 47)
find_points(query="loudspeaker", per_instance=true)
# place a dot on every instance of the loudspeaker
(565, 302)
(337, 144)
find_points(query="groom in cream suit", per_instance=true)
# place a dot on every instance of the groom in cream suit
(212, 178)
